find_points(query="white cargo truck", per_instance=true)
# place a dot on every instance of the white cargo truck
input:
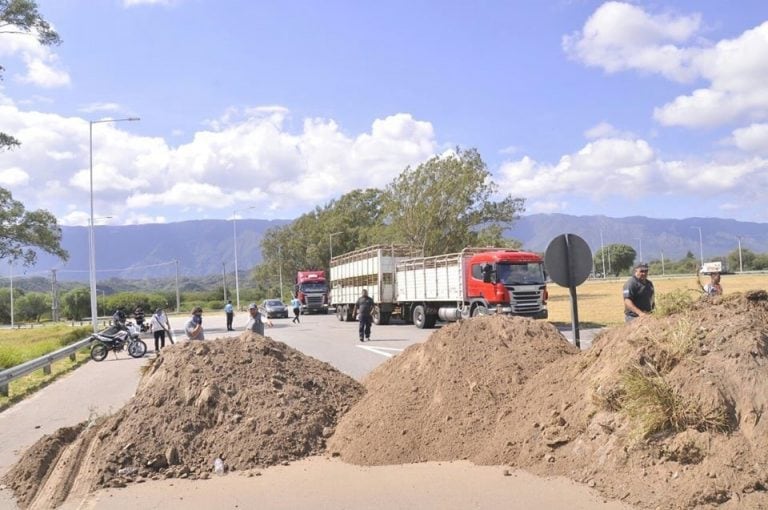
(421, 290)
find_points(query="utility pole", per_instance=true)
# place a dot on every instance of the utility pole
(178, 301)
(602, 251)
(662, 263)
(54, 297)
(224, 278)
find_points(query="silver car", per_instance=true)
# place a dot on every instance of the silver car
(274, 308)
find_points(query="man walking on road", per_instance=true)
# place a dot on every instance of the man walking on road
(230, 311)
(296, 305)
(364, 311)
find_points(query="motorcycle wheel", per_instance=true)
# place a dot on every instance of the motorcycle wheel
(137, 348)
(99, 351)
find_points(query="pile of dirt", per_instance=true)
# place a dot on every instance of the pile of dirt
(443, 399)
(249, 401)
(662, 412)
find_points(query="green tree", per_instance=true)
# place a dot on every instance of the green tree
(445, 204)
(20, 230)
(76, 303)
(619, 258)
(33, 305)
(747, 259)
(22, 17)
(353, 221)
(5, 303)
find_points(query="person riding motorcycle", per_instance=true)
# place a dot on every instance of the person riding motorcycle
(118, 322)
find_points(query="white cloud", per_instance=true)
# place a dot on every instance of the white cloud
(753, 138)
(620, 36)
(250, 159)
(13, 176)
(42, 65)
(545, 206)
(632, 169)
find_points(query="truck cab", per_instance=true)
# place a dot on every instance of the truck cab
(312, 291)
(510, 281)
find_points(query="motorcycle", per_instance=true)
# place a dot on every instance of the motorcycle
(116, 341)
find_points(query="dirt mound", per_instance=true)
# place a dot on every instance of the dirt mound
(443, 399)
(249, 401)
(661, 412)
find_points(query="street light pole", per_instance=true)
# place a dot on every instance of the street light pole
(330, 244)
(602, 251)
(741, 265)
(234, 237)
(91, 241)
(701, 247)
(280, 268)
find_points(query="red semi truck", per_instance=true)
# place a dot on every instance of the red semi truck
(312, 290)
(450, 287)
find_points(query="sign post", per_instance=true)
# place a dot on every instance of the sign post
(569, 260)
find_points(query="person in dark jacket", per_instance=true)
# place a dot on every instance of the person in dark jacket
(638, 294)
(364, 313)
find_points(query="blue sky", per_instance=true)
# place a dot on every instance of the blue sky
(268, 109)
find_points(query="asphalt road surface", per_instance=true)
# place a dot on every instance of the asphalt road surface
(102, 388)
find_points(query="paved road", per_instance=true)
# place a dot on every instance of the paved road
(101, 388)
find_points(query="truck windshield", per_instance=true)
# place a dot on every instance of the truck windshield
(530, 273)
(312, 287)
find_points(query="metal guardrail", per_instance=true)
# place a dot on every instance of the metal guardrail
(44, 362)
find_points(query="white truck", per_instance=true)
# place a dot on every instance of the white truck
(449, 287)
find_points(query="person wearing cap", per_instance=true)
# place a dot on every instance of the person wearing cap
(159, 324)
(638, 294)
(194, 326)
(256, 322)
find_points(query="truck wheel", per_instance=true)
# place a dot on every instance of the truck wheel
(380, 318)
(430, 321)
(341, 314)
(349, 310)
(479, 310)
(419, 317)
(384, 319)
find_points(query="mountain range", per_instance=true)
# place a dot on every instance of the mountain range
(206, 247)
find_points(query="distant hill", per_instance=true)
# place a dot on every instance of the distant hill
(672, 237)
(148, 251)
(202, 246)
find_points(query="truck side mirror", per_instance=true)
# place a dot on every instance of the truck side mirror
(487, 273)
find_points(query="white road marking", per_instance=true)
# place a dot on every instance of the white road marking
(381, 350)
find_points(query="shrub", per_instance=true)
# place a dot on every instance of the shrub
(676, 301)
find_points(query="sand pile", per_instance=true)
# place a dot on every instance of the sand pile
(249, 401)
(662, 412)
(444, 398)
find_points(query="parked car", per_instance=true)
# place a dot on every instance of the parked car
(274, 308)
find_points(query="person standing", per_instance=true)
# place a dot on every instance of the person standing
(256, 322)
(638, 294)
(159, 324)
(713, 288)
(230, 311)
(364, 313)
(194, 326)
(296, 305)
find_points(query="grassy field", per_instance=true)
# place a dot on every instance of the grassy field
(601, 304)
(20, 345)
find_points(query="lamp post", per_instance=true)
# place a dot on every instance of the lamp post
(640, 240)
(91, 241)
(701, 247)
(280, 268)
(92, 245)
(234, 237)
(602, 251)
(330, 244)
(741, 265)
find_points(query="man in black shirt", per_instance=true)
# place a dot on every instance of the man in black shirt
(364, 311)
(638, 294)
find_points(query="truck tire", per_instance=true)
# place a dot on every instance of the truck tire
(384, 319)
(430, 321)
(349, 310)
(341, 313)
(380, 318)
(479, 310)
(419, 317)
